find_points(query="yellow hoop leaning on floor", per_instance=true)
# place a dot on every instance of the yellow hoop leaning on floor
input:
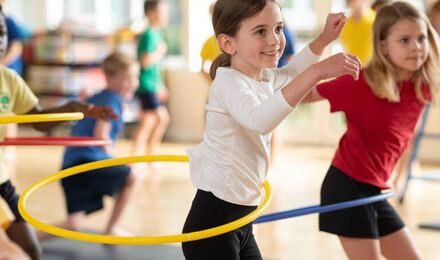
(40, 118)
(185, 237)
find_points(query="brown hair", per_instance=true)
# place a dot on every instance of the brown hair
(380, 73)
(227, 17)
(116, 62)
(150, 5)
(379, 4)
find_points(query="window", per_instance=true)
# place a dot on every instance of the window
(300, 15)
(173, 33)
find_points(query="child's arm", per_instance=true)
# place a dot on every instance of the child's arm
(239, 100)
(332, 29)
(102, 131)
(310, 55)
(312, 96)
(339, 64)
(97, 112)
(148, 59)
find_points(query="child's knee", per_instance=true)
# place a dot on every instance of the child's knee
(135, 178)
(164, 119)
(74, 223)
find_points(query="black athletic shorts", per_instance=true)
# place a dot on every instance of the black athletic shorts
(149, 100)
(85, 191)
(208, 211)
(368, 221)
(8, 193)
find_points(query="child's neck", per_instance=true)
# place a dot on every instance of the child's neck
(404, 75)
(257, 76)
(113, 88)
(357, 14)
(154, 25)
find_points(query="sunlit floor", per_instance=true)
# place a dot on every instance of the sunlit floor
(161, 207)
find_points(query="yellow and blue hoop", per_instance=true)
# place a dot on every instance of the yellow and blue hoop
(185, 237)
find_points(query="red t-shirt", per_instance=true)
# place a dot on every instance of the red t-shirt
(378, 131)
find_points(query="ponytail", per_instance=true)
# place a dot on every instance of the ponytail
(222, 60)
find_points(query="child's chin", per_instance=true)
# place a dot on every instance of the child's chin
(129, 97)
(272, 66)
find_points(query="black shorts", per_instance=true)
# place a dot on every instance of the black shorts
(368, 221)
(8, 193)
(85, 191)
(208, 211)
(149, 100)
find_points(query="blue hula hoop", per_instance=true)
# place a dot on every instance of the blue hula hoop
(321, 209)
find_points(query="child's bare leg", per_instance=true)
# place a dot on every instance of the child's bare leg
(399, 245)
(162, 121)
(133, 184)
(73, 222)
(361, 248)
(23, 235)
(143, 132)
(9, 249)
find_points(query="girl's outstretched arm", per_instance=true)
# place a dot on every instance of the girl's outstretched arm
(331, 67)
(312, 96)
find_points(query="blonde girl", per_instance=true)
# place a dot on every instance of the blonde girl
(382, 109)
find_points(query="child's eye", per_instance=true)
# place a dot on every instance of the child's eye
(261, 32)
(404, 40)
(421, 38)
(279, 29)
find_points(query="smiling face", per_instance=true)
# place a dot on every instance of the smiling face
(407, 46)
(259, 42)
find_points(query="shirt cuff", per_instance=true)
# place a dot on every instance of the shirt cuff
(284, 106)
(303, 59)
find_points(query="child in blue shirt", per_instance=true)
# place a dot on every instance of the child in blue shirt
(84, 192)
(17, 98)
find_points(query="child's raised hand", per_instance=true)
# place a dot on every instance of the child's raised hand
(333, 26)
(338, 65)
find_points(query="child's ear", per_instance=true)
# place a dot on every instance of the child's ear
(226, 44)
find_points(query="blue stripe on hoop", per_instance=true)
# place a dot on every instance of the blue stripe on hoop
(321, 209)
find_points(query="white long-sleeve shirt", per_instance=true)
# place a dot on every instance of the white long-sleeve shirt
(232, 161)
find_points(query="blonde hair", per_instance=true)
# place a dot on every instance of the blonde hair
(380, 73)
(116, 62)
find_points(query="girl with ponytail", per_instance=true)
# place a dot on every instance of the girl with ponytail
(248, 98)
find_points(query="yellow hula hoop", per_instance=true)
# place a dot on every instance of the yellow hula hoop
(185, 237)
(40, 118)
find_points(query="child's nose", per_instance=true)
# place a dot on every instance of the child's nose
(417, 45)
(274, 39)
